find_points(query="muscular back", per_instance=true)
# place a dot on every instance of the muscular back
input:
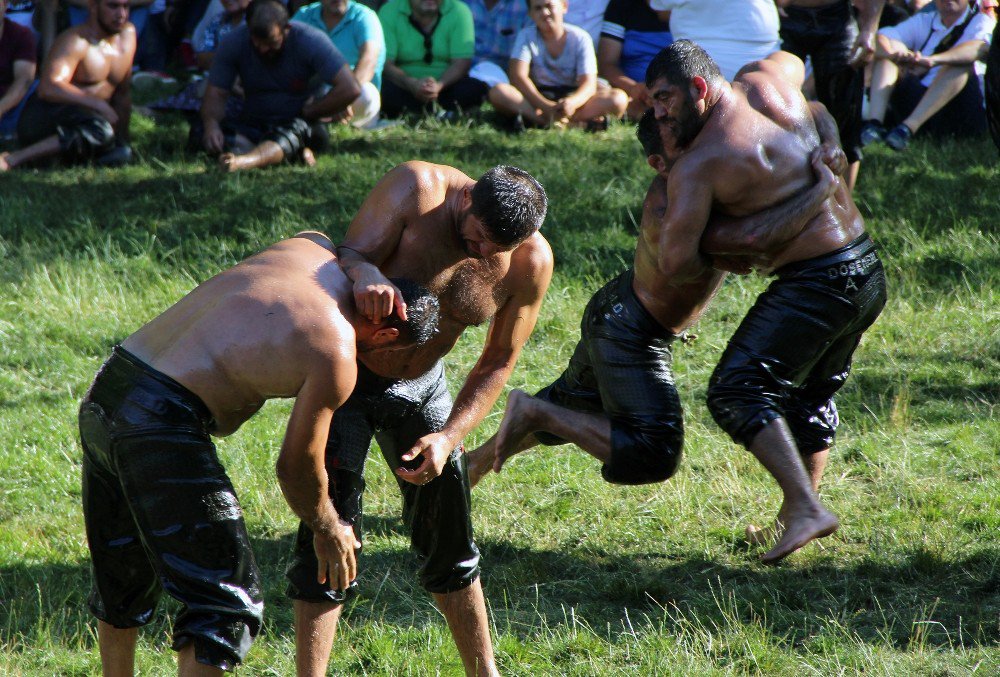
(755, 150)
(255, 331)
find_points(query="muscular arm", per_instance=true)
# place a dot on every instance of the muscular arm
(509, 331)
(301, 467)
(373, 236)
(344, 90)
(689, 204)
(24, 73)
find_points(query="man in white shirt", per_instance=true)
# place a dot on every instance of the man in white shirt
(733, 33)
(922, 76)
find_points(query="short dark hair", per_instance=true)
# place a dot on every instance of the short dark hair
(680, 62)
(648, 133)
(262, 15)
(422, 312)
(510, 203)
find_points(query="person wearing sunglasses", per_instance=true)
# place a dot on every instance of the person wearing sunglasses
(429, 49)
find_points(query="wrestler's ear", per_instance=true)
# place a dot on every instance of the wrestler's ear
(385, 336)
(699, 88)
(466, 197)
(657, 162)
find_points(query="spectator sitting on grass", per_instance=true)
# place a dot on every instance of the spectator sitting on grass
(553, 75)
(83, 105)
(921, 78)
(357, 34)
(429, 46)
(17, 71)
(228, 19)
(281, 119)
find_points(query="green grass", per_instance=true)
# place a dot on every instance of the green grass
(582, 578)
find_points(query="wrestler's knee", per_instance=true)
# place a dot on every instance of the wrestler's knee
(741, 412)
(813, 427)
(643, 454)
(86, 139)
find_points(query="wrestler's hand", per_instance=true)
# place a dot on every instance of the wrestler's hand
(377, 298)
(432, 451)
(335, 546)
(832, 156)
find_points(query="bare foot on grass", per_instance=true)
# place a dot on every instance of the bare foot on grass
(227, 162)
(308, 159)
(794, 530)
(4, 167)
(518, 419)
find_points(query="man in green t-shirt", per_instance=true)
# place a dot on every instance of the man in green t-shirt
(429, 48)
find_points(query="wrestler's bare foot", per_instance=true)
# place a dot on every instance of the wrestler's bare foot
(308, 159)
(518, 422)
(3, 162)
(227, 162)
(800, 527)
(480, 461)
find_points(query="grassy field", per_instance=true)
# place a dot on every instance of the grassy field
(582, 578)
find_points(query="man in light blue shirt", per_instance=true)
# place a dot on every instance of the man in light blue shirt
(356, 32)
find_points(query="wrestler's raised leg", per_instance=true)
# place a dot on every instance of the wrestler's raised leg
(802, 517)
(526, 414)
(481, 459)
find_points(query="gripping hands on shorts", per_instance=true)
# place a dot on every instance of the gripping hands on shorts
(335, 544)
(433, 451)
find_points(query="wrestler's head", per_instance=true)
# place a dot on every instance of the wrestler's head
(420, 325)
(268, 24)
(679, 79)
(111, 15)
(657, 143)
(505, 207)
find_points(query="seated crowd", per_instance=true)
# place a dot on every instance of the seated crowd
(267, 78)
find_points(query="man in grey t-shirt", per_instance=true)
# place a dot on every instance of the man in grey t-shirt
(276, 62)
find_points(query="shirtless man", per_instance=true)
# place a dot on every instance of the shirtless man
(475, 243)
(159, 509)
(746, 145)
(83, 104)
(617, 400)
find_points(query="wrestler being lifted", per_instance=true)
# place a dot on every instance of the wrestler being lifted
(616, 400)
